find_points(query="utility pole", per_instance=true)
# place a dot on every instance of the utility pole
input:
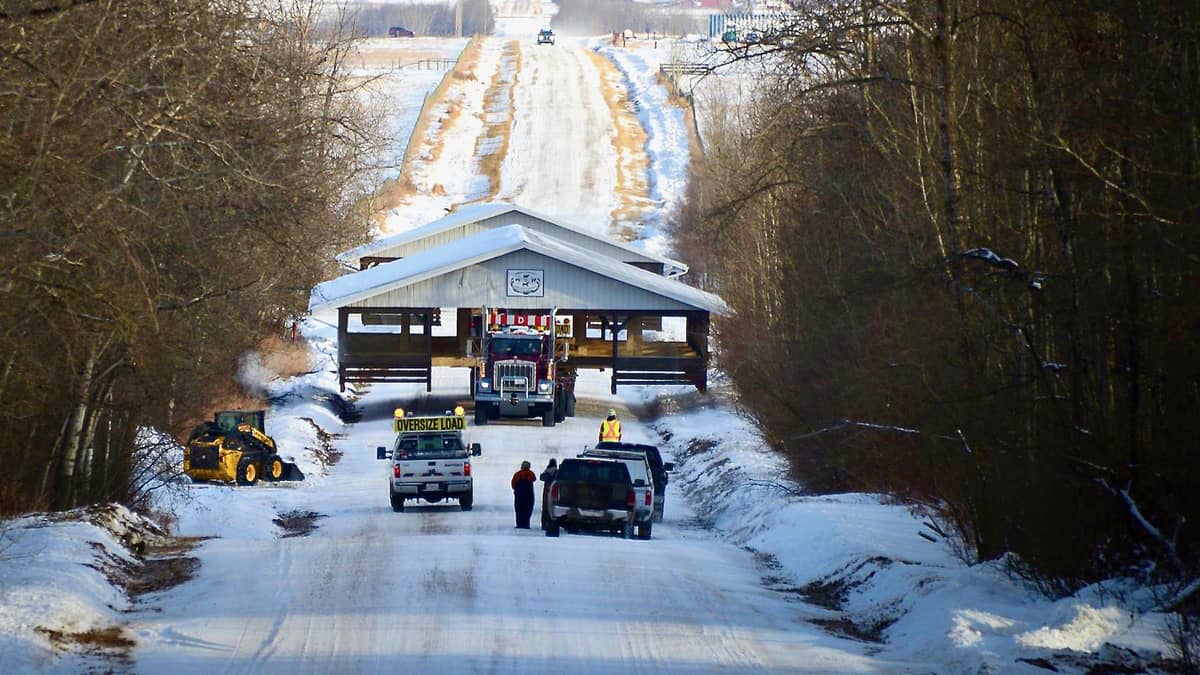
(458, 18)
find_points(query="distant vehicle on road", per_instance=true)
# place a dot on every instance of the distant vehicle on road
(400, 31)
(545, 37)
(592, 493)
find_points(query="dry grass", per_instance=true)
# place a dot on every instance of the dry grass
(463, 71)
(677, 99)
(396, 192)
(233, 398)
(108, 638)
(285, 357)
(497, 132)
(397, 55)
(633, 165)
(390, 195)
(281, 356)
(325, 454)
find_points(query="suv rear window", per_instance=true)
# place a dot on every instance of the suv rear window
(597, 471)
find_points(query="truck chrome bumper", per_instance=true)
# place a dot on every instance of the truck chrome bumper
(588, 515)
(451, 487)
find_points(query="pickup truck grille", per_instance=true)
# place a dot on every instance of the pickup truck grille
(516, 376)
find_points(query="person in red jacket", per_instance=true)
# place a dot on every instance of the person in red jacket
(522, 485)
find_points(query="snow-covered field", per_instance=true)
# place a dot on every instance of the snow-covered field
(398, 74)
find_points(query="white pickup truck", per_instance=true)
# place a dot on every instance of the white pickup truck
(430, 460)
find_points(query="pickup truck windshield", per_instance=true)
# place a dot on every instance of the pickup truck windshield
(429, 447)
(593, 472)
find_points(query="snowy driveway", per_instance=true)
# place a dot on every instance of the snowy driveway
(436, 589)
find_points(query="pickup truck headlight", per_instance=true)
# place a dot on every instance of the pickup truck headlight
(544, 386)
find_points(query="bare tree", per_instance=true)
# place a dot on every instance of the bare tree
(175, 179)
(976, 222)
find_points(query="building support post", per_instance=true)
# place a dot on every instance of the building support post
(343, 329)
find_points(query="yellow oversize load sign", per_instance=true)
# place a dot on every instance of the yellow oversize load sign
(410, 425)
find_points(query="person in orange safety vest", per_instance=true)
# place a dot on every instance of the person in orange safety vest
(610, 428)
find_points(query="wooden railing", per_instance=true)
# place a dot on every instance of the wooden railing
(684, 68)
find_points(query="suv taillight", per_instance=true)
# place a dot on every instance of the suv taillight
(631, 499)
(466, 468)
(649, 499)
(396, 470)
(554, 492)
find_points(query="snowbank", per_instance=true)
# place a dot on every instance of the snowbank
(61, 599)
(863, 569)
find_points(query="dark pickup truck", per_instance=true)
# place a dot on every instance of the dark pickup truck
(594, 494)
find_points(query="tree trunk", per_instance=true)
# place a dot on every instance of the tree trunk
(64, 497)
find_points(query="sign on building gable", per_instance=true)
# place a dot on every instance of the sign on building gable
(525, 284)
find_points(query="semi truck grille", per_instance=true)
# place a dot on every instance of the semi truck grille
(516, 376)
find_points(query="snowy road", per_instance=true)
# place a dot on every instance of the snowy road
(561, 159)
(436, 589)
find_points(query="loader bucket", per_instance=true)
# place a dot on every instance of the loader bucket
(291, 472)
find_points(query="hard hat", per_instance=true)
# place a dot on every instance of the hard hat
(612, 413)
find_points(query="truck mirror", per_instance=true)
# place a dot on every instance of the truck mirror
(476, 449)
(382, 452)
(669, 466)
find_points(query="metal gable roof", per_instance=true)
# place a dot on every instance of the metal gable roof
(471, 213)
(351, 288)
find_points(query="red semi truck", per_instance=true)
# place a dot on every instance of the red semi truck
(523, 371)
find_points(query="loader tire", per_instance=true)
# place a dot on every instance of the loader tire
(274, 468)
(247, 471)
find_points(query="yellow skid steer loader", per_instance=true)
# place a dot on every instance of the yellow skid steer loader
(234, 447)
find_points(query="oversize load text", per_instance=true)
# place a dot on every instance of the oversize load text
(411, 424)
